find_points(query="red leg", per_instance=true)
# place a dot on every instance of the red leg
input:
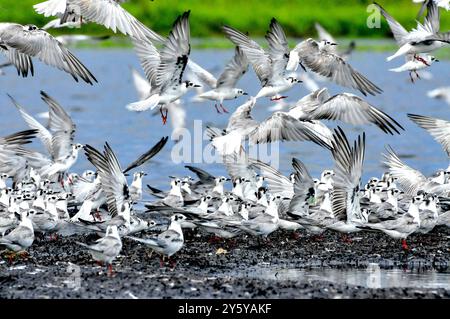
(346, 239)
(223, 108)
(11, 257)
(214, 239)
(418, 58)
(232, 243)
(278, 98)
(411, 77)
(404, 245)
(23, 254)
(98, 216)
(163, 117)
(172, 263)
(110, 270)
(296, 235)
(318, 237)
(217, 109)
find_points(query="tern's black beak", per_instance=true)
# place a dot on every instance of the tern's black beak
(333, 44)
(436, 60)
(245, 93)
(197, 86)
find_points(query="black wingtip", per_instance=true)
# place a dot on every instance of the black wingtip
(44, 95)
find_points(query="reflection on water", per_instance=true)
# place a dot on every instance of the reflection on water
(372, 277)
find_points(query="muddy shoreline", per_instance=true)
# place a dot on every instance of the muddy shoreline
(218, 269)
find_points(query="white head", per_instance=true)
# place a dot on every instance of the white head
(327, 176)
(244, 211)
(221, 180)
(138, 175)
(239, 92)
(76, 147)
(24, 220)
(393, 192)
(293, 80)
(365, 215)
(88, 174)
(206, 199)
(189, 85)
(413, 209)
(112, 231)
(177, 219)
(327, 45)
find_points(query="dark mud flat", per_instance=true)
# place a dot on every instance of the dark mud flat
(220, 269)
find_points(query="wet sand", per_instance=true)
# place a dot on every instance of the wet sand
(207, 268)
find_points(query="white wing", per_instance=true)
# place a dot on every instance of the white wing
(40, 44)
(42, 133)
(242, 118)
(333, 67)
(278, 183)
(399, 32)
(278, 50)
(202, 74)
(238, 165)
(259, 59)
(351, 109)
(234, 70)
(51, 8)
(348, 170)
(409, 179)
(110, 14)
(112, 179)
(21, 61)
(439, 129)
(323, 34)
(63, 126)
(150, 60)
(282, 127)
(141, 85)
(175, 53)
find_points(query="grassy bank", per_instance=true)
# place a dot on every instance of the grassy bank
(341, 17)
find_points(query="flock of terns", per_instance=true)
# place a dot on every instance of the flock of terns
(39, 193)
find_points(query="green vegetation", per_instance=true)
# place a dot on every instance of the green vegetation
(343, 18)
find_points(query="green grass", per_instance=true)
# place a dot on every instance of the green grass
(343, 18)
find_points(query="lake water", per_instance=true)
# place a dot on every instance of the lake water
(372, 277)
(100, 115)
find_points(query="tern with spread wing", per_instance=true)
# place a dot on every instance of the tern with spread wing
(21, 43)
(223, 88)
(164, 69)
(320, 58)
(270, 67)
(108, 13)
(59, 140)
(424, 38)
